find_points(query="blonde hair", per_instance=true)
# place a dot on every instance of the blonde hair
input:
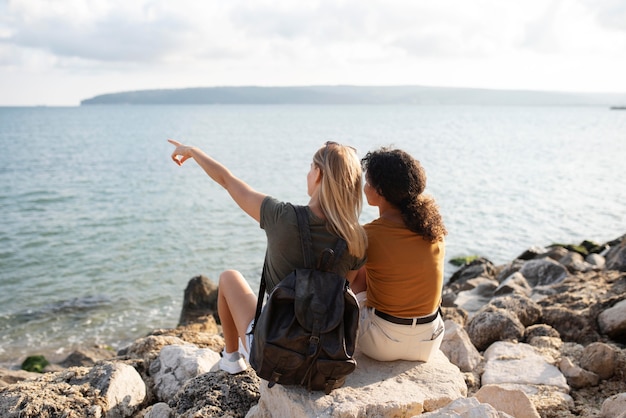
(340, 194)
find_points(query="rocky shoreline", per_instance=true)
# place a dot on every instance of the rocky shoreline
(541, 336)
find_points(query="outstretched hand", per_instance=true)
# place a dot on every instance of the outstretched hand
(182, 152)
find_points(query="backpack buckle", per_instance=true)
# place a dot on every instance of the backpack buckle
(314, 343)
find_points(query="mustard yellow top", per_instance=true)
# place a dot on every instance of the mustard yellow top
(404, 271)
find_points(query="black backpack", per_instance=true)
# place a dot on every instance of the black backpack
(306, 333)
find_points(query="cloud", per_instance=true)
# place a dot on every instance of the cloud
(609, 13)
(95, 31)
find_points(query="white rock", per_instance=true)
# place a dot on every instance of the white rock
(159, 410)
(456, 345)
(121, 387)
(512, 401)
(466, 408)
(614, 407)
(612, 321)
(507, 362)
(379, 389)
(178, 363)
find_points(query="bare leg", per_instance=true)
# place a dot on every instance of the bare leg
(236, 306)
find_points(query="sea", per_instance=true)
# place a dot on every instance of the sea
(100, 231)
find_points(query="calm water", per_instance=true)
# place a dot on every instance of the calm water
(100, 231)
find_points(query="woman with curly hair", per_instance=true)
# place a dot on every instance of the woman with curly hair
(399, 288)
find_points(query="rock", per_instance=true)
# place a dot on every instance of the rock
(543, 272)
(159, 410)
(109, 389)
(515, 283)
(601, 359)
(616, 257)
(467, 408)
(484, 282)
(540, 330)
(571, 325)
(456, 345)
(447, 298)
(457, 315)
(199, 302)
(596, 260)
(382, 389)
(8, 377)
(87, 357)
(472, 300)
(148, 348)
(527, 311)
(203, 335)
(612, 321)
(217, 394)
(574, 262)
(576, 376)
(488, 327)
(555, 252)
(481, 267)
(531, 253)
(512, 401)
(548, 347)
(177, 364)
(614, 406)
(520, 363)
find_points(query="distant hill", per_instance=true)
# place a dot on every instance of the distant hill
(417, 95)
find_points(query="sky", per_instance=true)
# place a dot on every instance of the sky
(59, 52)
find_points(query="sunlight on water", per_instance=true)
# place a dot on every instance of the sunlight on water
(101, 232)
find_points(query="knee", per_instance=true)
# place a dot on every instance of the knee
(227, 276)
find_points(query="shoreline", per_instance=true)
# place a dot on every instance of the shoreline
(548, 328)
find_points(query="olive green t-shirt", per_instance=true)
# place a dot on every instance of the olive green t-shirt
(284, 251)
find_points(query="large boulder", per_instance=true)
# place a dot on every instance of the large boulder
(382, 389)
(467, 408)
(543, 272)
(494, 325)
(507, 362)
(176, 364)
(199, 302)
(218, 394)
(571, 325)
(527, 311)
(458, 347)
(109, 389)
(512, 401)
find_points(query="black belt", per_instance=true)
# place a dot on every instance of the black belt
(406, 321)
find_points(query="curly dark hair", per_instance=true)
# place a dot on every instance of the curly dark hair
(401, 180)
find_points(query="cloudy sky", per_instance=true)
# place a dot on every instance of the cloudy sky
(58, 52)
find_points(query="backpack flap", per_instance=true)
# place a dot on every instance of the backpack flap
(319, 300)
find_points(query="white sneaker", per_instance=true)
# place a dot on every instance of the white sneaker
(233, 363)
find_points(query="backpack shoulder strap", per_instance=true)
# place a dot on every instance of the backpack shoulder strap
(305, 236)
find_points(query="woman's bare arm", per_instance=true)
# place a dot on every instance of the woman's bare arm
(245, 196)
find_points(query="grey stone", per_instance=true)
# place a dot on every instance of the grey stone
(488, 327)
(543, 272)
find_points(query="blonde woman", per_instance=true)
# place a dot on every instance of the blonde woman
(334, 188)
